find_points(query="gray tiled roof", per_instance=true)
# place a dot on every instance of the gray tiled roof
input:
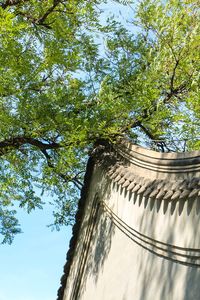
(154, 188)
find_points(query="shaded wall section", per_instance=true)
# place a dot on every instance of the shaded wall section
(135, 241)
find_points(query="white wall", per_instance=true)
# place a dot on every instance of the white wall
(114, 262)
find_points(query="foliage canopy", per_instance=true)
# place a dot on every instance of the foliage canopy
(69, 78)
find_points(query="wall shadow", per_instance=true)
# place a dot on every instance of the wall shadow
(165, 271)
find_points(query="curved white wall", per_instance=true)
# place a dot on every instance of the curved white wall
(133, 247)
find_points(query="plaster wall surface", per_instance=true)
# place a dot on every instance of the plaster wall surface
(132, 247)
(120, 256)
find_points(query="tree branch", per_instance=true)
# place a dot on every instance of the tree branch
(42, 19)
(174, 92)
(36, 21)
(16, 142)
(173, 76)
(66, 178)
(8, 3)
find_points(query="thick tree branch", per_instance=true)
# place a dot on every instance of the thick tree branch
(16, 142)
(43, 18)
(146, 131)
(48, 158)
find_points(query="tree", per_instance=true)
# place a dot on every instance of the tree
(61, 91)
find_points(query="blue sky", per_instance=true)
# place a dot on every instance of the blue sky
(30, 268)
